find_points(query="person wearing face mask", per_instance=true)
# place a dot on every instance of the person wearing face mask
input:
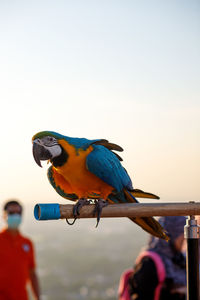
(17, 261)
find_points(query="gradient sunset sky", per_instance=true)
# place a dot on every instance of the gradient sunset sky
(126, 71)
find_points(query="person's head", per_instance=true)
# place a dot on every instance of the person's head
(174, 227)
(13, 214)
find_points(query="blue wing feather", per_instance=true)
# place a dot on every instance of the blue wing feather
(105, 165)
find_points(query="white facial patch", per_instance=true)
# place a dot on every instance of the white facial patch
(54, 150)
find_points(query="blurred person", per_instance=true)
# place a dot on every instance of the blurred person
(160, 271)
(17, 261)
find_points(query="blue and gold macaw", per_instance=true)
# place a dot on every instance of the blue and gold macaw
(85, 169)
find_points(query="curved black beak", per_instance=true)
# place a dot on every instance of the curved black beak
(40, 153)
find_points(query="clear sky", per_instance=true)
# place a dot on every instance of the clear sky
(127, 71)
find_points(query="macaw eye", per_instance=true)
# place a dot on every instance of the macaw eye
(51, 139)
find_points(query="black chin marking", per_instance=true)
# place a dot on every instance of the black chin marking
(59, 161)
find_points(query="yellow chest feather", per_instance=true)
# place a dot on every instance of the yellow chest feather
(75, 167)
(75, 172)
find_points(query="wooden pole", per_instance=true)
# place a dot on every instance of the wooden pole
(134, 210)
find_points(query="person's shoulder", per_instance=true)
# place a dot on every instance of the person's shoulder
(144, 263)
(3, 233)
(145, 257)
(148, 261)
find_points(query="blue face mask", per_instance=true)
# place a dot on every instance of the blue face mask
(14, 221)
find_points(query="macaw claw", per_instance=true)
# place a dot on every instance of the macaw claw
(100, 203)
(76, 209)
(72, 223)
(81, 202)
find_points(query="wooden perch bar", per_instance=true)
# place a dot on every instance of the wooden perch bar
(60, 211)
(135, 210)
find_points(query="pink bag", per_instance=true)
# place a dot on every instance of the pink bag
(124, 280)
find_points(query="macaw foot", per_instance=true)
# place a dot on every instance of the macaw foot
(81, 202)
(99, 204)
(76, 209)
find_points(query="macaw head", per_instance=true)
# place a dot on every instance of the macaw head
(46, 147)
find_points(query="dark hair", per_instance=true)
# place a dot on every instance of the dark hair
(11, 202)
